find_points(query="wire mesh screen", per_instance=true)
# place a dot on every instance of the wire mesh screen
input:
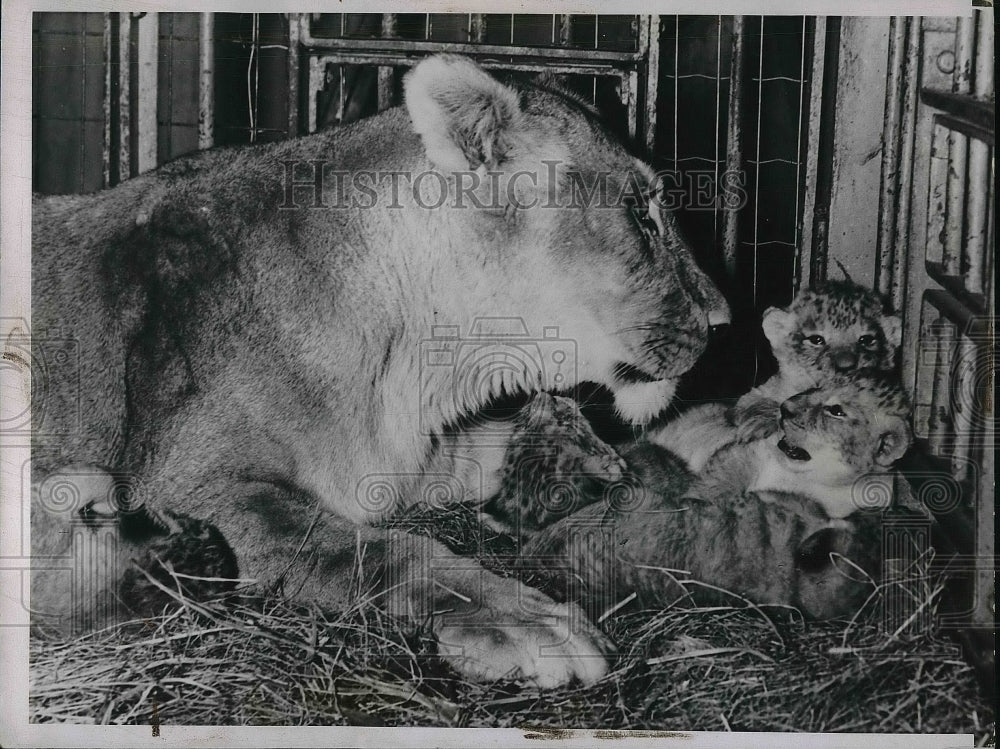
(698, 138)
(68, 94)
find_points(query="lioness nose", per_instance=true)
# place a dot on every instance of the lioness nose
(844, 360)
(787, 410)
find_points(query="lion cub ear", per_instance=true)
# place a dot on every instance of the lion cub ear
(464, 116)
(777, 324)
(894, 442)
(892, 328)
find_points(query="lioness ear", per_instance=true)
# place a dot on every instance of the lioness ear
(777, 323)
(464, 117)
(893, 443)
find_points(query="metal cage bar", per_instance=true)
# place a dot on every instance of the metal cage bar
(206, 80)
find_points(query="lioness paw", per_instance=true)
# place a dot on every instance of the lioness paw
(525, 635)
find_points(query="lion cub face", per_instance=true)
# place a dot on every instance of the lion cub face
(852, 426)
(837, 327)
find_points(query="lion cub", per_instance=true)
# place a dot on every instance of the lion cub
(836, 328)
(839, 440)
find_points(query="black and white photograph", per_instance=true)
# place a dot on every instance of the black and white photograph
(577, 376)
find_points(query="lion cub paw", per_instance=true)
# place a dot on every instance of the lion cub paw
(522, 633)
(757, 422)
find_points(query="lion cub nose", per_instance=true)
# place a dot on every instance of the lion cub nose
(844, 361)
(788, 410)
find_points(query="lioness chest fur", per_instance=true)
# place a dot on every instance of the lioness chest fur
(253, 357)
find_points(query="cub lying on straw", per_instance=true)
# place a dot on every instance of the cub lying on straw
(767, 520)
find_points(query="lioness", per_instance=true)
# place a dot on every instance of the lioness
(271, 338)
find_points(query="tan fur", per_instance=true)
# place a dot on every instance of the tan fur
(261, 368)
(715, 544)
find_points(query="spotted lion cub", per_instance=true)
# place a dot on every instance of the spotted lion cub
(838, 442)
(836, 328)
(765, 520)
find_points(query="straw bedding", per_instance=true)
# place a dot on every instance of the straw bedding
(254, 659)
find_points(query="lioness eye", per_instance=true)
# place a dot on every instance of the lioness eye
(816, 340)
(835, 411)
(868, 340)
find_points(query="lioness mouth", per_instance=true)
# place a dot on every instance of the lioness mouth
(628, 373)
(793, 452)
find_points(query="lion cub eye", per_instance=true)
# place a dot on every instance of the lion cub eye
(868, 341)
(835, 411)
(816, 340)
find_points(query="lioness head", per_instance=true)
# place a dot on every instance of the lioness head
(571, 221)
(854, 425)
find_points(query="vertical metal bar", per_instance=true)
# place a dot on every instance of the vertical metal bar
(989, 270)
(565, 34)
(477, 28)
(316, 74)
(341, 73)
(939, 421)
(295, 21)
(756, 189)
(985, 68)
(593, 79)
(631, 84)
(84, 145)
(797, 239)
(734, 137)
(106, 104)
(146, 90)
(124, 96)
(907, 138)
(985, 587)
(168, 19)
(809, 202)
(888, 194)
(649, 30)
(937, 197)
(958, 147)
(386, 74)
(963, 402)
(979, 158)
(206, 80)
(826, 151)
(718, 122)
(256, 76)
(677, 46)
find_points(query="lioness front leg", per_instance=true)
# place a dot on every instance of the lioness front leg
(490, 627)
